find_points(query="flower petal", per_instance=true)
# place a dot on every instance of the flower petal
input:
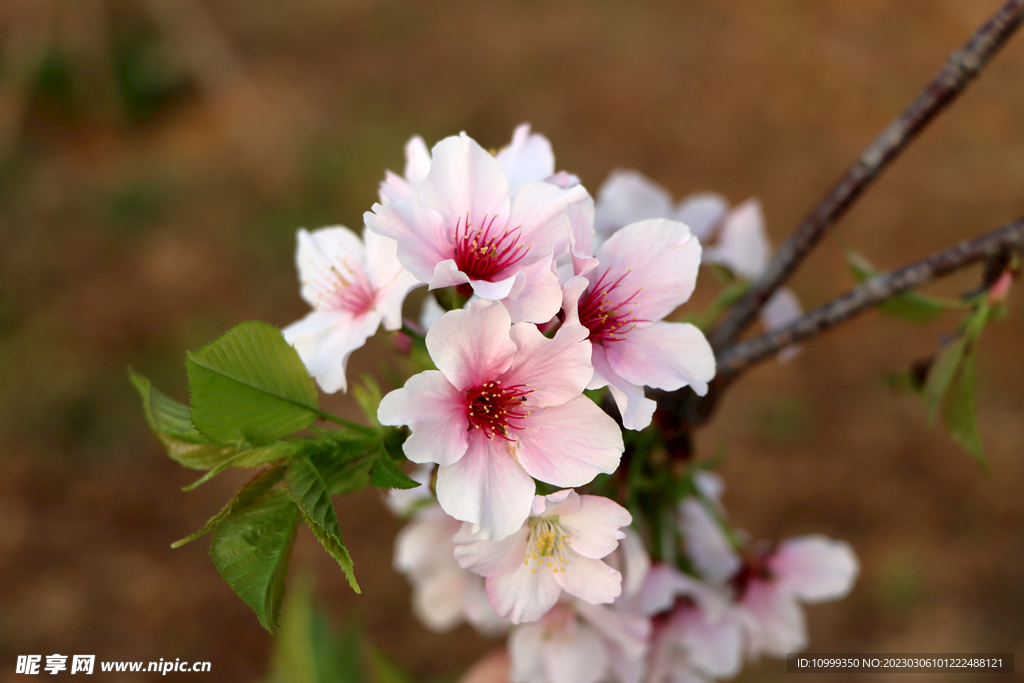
(472, 346)
(417, 160)
(582, 658)
(391, 281)
(424, 239)
(636, 409)
(701, 212)
(706, 545)
(465, 182)
(436, 413)
(527, 158)
(664, 259)
(595, 526)
(627, 197)
(557, 370)
(487, 487)
(540, 296)
(524, 595)
(570, 444)
(538, 209)
(773, 621)
(815, 568)
(325, 340)
(526, 650)
(665, 356)
(742, 244)
(490, 558)
(588, 579)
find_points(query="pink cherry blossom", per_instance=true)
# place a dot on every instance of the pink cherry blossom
(643, 272)
(352, 288)
(576, 642)
(504, 406)
(559, 547)
(474, 227)
(444, 593)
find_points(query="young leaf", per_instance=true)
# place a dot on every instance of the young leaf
(960, 413)
(251, 547)
(309, 492)
(343, 461)
(909, 306)
(172, 423)
(386, 474)
(247, 458)
(941, 374)
(250, 386)
(253, 489)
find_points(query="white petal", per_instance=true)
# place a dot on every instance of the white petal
(437, 602)
(325, 340)
(715, 646)
(465, 182)
(665, 356)
(527, 158)
(526, 650)
(636, 410)
(435, 411)
(539, 210)
(472, 346)
(774, 622)
(815, 568)
(706, 545)
(423, 236)
(556, 370)
(539, 297)
(417, 161)
(702, 212)
(570, 444)
(742, 241)
(782, 309)
(490, 558)
(581, 658)
(391, 281)
(487, 487)
(588, 579)
(627, 197)
(524, 595)
(595, 526)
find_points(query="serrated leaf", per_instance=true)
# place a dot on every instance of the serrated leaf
(252, 490)
(172, 423)
(386, 474)
(343, 463)
(247, 458)
(251, 548)
(960, 412)
(250, 387)
(309, 492)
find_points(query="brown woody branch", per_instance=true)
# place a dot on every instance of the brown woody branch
(962, 66)
(737, 358)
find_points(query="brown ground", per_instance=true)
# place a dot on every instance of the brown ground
(130, 239)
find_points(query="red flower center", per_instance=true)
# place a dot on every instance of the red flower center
(482, 252)
(350, 291)
(496, 409)
(607, 319)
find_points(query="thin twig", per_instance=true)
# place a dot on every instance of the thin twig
(739, 357)
(962, 66)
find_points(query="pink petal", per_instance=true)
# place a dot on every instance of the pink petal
(715, 647)
(664, 356)
(570, 444)
(389, 278)
(527, 158)
(435, 600)
(325, 255)
(490, 558)
(539, 210)
(571, 292)
(497, 290)
(581, 240)
(664, 259)
(472, 346)
(782, 309)
(526, 650)
(540, 296)
(487, 487)
(742, 241)
(395, 188)
(435, 411)
(588, 579)
(325, 340)
(627, 632)
(595, 527)
(524, 595)
(701, 212)
(581, 658)
(424, 239)
(557, 370)
(636, 410)
(706, 545)
(774, 622)
(417, 160)
(465, 180)
(447, 274)
(627, 197)
(815, 568)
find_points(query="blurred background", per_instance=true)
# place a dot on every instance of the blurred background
(157, 156)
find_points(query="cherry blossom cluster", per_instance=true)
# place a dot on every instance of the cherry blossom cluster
(547, 295)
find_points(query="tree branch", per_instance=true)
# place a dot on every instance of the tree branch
(962, 66)
(877, 289)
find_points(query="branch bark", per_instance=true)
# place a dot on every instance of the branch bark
(739, 357)
(961, 67)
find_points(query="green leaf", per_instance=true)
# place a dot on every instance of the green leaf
(248, 458)
(171, 422)
(306, 649)
(253, 489)
(960, 412)
(909, 306)
(368, 395)
(250, 387)
(309, 492)
(251, 548)
(342, 459)
(941, 375)
(386, 474)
